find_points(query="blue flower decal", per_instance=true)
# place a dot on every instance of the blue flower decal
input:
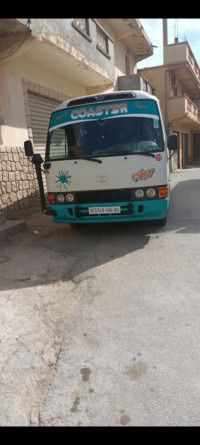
(63, 179)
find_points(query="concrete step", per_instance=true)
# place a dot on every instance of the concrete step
(10, 228)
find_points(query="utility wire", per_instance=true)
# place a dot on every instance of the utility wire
(28, 23)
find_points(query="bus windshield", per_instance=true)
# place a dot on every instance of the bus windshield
(105, 137)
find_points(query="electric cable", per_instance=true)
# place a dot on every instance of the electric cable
(5, 57)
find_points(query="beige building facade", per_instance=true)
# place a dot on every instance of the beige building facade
(177, 84)
(42, 63)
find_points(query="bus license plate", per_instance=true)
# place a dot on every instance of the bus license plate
(104, 210)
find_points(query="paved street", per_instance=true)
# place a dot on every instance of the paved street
(99, 325)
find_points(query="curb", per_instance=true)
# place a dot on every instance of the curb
(10, 228)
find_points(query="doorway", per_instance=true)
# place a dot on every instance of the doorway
(185, 149)
(196, 147)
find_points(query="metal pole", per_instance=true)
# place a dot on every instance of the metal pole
(41, 187)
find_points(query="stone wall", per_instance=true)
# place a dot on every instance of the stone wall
(19, 194)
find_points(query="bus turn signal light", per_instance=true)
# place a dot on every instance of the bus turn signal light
(163, 192)
(51, 198)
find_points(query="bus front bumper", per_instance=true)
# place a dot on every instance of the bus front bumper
(129, 211)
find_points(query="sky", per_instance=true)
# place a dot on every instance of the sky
(185, 29)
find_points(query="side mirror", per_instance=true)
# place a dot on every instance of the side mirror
(28, 147)
(37, 159)
(172, 141)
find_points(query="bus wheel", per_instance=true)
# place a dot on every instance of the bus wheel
(161, 222)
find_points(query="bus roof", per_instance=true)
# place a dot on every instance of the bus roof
(114, 96)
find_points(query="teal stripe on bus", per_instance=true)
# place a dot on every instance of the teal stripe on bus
(103, 111)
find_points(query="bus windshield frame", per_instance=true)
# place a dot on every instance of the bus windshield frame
(105, 137)
(135, 128)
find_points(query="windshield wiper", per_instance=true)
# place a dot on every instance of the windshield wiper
(124, 153)
(145, 153)
(86, 159)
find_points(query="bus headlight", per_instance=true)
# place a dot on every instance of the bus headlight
(150, 192)
(60, 198)
(69, 197)
(139, 193)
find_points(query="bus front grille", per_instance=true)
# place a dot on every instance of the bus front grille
(96, 196)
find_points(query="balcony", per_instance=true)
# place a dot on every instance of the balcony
(179, 56)
(135, 82)
(181, 109)
(132, 34)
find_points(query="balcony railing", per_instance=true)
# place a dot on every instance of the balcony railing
(192, 108)
(135, 82)
(180, 53)
(193, 64)
(180, 107)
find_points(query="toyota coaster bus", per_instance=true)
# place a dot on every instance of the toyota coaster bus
(106, 160)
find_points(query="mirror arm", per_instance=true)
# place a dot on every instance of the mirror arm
(171, 155)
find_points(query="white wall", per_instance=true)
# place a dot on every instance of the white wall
(12, 108)
(13, 121)
(120, 50)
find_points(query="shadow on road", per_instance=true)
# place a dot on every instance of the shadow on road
(49, 253)
(59, 253)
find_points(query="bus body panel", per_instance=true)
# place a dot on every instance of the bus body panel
(114, 172)
(141, 211)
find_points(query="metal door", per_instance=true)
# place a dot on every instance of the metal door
(196, 146)
(40, 110)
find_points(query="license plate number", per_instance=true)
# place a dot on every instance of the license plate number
(104, 210)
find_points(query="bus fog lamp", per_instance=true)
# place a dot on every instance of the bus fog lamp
(60, 198)
(151, 193)
(139, 193)
(69, 197)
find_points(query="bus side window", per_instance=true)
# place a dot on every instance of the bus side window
(59, 146)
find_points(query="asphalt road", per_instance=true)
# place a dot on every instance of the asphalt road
(99, 325)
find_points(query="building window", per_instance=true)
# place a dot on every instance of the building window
(102, 43)
(82, 25)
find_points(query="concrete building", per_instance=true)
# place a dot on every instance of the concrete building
(44, 62)
(177, 84)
